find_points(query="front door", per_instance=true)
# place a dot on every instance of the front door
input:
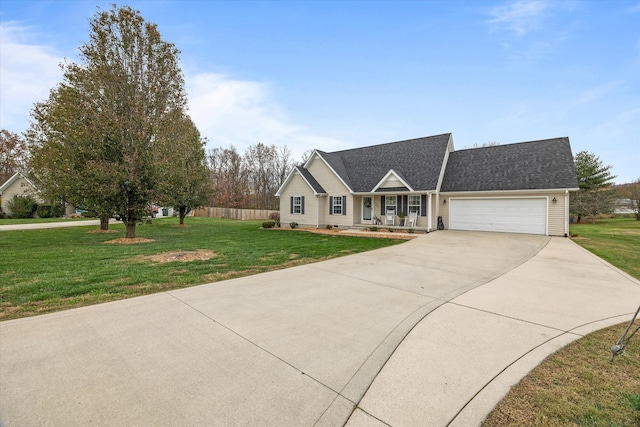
(367, 209)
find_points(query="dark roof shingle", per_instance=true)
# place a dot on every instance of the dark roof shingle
(544, 164)
(418, 161)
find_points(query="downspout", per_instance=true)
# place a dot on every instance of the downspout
(318, 211)
(429, 217)
(566, 213)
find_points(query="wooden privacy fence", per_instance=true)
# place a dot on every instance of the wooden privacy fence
(232, 213)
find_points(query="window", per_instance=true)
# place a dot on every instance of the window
(297, 205)
(337, 208)
(414, 204)
(391, 202)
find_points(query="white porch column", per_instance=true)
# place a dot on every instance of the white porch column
(566, 213)
(429, 212)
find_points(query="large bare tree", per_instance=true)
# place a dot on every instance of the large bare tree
(93, 140)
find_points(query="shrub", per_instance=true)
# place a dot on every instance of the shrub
(268, 224)
(293, 224)
(276, 217)
(22, 206)
(329, 227)
(373, 228)
(411, 231)
(57, 210)
(45, 211)
(390, 230)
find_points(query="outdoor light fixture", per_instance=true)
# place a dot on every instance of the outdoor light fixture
(554, 200)
(444, 201)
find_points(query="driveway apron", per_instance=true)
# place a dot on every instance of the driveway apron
(307, 345)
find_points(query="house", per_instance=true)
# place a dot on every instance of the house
(521, 188)
(18, 184)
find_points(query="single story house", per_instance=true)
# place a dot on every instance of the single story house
(521, 188)
(18, 184)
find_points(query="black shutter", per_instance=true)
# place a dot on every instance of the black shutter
(382, 205)
(423, 205)
(405, 204)
(302, 205)
(330, 205)
(344, 205)
(291, 205)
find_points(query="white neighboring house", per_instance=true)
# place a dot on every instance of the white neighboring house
(18, 184)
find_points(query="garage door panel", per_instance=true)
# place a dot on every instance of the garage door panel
(512, 215)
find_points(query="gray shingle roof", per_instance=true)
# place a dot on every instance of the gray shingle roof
(544, 164)
(418, 161)
(315, 185)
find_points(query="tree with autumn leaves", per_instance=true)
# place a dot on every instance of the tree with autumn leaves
(114, 130)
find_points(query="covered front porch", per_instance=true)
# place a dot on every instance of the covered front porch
(391, 210)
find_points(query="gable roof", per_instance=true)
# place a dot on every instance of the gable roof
(418, 161)
(13, 178)
(543, 164)
(306, 175)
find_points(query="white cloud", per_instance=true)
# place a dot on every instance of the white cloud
(27, 72)
(520, 17)
(241, 113)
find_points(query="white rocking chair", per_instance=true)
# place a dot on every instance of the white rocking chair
(411, 220)
(389, 218)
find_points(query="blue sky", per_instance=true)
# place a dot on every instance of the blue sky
(343, 74)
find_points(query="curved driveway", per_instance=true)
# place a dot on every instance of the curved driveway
(429, 332)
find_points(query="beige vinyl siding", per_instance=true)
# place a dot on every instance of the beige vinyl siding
(555, 213)
(334, 187)
(18, 187)
(297, 186)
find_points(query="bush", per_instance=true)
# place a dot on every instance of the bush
(329, 227)
(373, 228)
(45, 211)
(22, 206)
(411, 231)
(390, 230)
(276, 217)
(293, 224)
(268, 224)
(57, 210)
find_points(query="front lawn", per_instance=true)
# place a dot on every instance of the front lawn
(616, 240)
(55, 269)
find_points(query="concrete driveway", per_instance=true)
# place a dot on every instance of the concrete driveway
(430, 332)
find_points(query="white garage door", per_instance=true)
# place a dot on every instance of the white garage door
(505, 215)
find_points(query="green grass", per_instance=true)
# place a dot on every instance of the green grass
(55, 269)
(616, 240)
(578, 386)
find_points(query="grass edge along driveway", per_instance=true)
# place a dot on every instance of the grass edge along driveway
(56, 269)
(577, 385)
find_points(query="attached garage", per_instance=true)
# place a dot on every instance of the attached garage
(511, 215)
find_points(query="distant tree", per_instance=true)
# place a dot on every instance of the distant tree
(14, 154)
(230, 178)
(305, 156)
(594, 181)
(485, 144)
(95, 137)
(632, 191)
(182, 166)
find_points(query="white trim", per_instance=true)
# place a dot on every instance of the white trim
(566, 214)
(532, 191)
(443, 168)
(286, 182)
(370, 220)
(13, 179)
(387, 176)
(429, 216)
